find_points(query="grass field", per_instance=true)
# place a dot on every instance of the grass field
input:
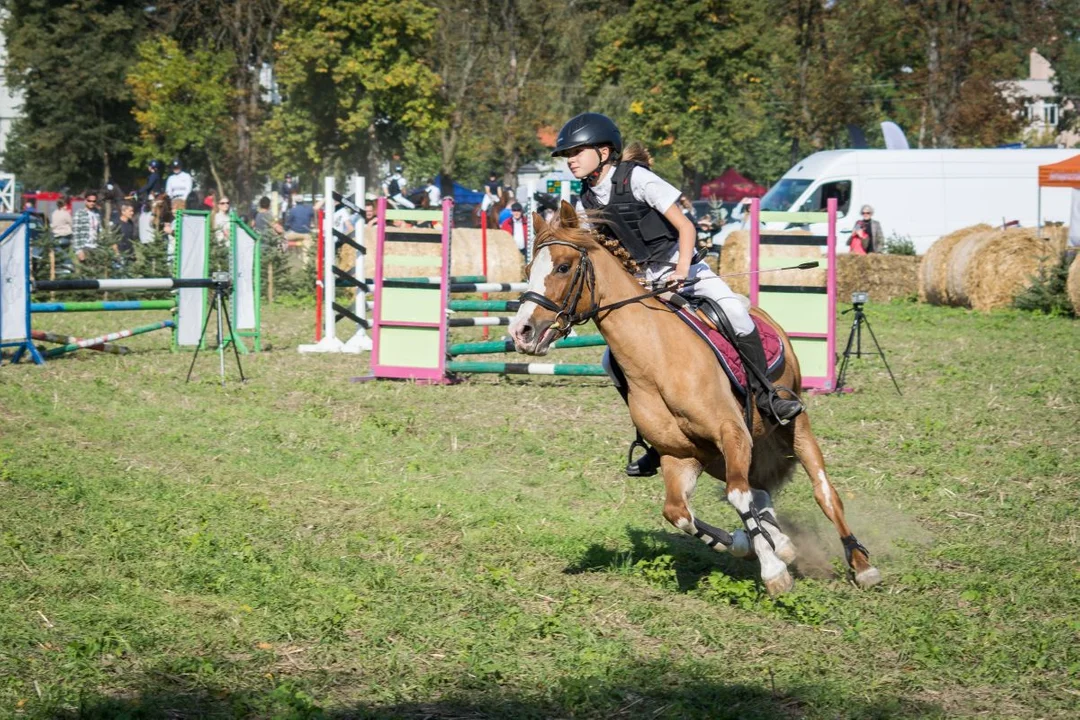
(302, 546)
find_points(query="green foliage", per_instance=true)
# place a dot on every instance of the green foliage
(1048, 292)
(897, 244)
(183, 101)
(69, 60)
(693, 76)
(353, 83)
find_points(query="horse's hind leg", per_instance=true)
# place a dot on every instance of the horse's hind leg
(809, 454)
(735, 443)
(680, 479)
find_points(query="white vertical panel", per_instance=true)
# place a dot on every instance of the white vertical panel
(14, 303)
(194, 249)
(244, 279)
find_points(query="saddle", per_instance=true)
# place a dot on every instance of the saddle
(711, 324)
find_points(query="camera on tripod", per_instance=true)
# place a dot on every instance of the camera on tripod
(221, 277)
(860, 297)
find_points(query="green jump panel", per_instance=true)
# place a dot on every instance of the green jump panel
(415, 215)
(412, 304)
(800, 218)
(813, 354)
(797, 312)
(410, 347)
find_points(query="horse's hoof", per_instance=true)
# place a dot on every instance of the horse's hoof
(740, 544)
(868, 578)
(779, 584)
(785, 550)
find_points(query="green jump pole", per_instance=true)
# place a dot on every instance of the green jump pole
(103, 305)
(485, 305)
(500, 346)
(524, 368)
(435, 280)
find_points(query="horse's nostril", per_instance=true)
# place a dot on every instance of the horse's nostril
(526, 332)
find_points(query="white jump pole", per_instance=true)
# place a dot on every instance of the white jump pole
(360, 341)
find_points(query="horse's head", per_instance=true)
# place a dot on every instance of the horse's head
(562, 283)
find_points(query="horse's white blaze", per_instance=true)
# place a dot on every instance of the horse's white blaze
(826, 490)
(541, 268)
(771, 566)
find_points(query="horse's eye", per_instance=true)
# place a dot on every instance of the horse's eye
(563, 269)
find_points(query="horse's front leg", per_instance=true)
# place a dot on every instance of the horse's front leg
(809, 454)
(736, 444)
(680, 479)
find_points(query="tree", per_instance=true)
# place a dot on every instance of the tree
(245, 30)
(69, 62)
(183, 103)
(355, 84)
(693, 74)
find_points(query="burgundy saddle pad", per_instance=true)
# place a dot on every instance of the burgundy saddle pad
(727, 355)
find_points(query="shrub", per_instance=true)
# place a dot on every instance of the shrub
(899, 245)
(1048, 292)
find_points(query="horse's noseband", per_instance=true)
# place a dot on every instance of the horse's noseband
(584, 279)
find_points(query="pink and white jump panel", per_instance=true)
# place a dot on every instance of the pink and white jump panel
(803, 302)
(409, 328)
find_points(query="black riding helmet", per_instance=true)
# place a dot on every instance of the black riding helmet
(588, 130)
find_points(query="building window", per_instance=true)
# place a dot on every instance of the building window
(1050, 114)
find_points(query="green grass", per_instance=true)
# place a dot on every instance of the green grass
(303, 546)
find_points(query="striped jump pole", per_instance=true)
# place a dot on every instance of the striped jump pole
(123, 284)
(70, 339)
(459, 366)
(502, 346)
(88, 342)
(102, 305)
(479, 321)
(488, 287)
(432, 280)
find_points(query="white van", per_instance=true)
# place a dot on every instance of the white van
(922, 194)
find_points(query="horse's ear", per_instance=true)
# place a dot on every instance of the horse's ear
(568, 217)
(538, 223)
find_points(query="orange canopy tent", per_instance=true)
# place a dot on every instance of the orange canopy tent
(1064, 174)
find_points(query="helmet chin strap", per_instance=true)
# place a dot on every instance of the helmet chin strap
(594, 176)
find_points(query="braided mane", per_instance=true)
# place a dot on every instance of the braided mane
(581, 235)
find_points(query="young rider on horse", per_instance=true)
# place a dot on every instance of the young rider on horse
(640, 210)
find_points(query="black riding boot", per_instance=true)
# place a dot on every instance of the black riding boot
(768, 400)
(647, 464)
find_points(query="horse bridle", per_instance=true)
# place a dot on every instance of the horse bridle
(585, 279)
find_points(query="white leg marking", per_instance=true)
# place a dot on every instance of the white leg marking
(771, 566)
(825, 488)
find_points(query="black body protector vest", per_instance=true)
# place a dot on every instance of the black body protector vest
(645, 233)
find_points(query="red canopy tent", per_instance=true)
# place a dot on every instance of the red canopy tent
(1064, 174)
(731, 187)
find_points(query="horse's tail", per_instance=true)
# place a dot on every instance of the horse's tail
(637, 152)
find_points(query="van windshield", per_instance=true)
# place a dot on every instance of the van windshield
(782, 196)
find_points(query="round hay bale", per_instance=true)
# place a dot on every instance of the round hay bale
(885, 277)
(956, 267)
(1057, 236)
(1003, 266)
(934, 265)
(1072, 284)
(735, 258)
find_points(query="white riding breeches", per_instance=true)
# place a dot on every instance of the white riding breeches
(402, 201)
(709, 285)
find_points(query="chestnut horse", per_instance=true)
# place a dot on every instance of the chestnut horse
(680, 399)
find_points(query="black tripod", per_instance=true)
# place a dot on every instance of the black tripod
(222, 287)
(855, 338)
